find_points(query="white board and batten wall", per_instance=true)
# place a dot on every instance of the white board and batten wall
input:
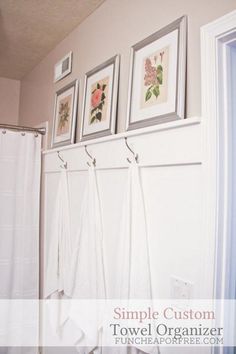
(171, 158)
(172, 172)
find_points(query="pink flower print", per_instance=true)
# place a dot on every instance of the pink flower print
(96, 98)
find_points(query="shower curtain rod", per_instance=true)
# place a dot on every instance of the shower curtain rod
(41, 131)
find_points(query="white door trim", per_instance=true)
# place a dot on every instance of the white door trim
(217, 149)
(213, 39)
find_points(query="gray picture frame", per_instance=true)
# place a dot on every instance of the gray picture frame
(115, 61)
(179, 112)
(71, 139)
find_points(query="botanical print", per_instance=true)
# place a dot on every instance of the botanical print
(99, 101)
(155, 77)
(64, 115)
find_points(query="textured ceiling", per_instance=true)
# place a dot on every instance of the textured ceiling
(29, 29)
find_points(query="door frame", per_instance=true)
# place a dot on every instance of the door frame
(217, 119)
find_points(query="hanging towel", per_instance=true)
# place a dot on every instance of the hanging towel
(134, 275)
(87, 268)
(60, 249)
(134, 280)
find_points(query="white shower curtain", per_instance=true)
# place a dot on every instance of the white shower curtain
(20, 165)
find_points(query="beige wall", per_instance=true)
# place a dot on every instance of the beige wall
(113, 28)
(9, 100)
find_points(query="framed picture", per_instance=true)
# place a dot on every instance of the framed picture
(65, 112)
(100, 100)
(157, 77)
(63, 67)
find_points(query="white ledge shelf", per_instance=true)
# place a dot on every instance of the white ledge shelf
(181, 123)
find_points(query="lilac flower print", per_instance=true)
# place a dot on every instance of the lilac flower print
(150, 73)
(153, 77)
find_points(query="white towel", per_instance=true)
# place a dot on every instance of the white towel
(87, 267)
(60, 248)
(134, 275)
(134, 278)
